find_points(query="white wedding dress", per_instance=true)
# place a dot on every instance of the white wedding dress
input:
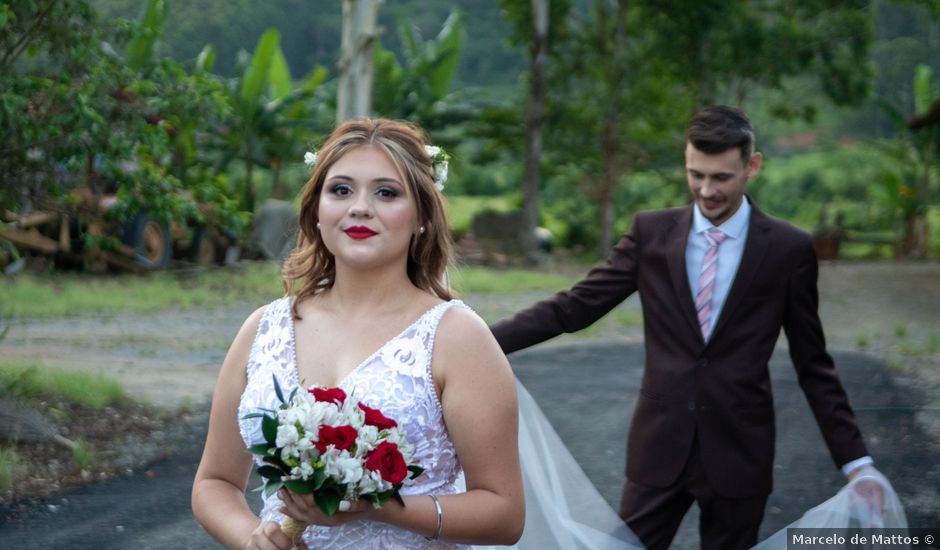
(397, 380)
(563, 509)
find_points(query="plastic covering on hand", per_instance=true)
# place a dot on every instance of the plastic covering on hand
(868, 501)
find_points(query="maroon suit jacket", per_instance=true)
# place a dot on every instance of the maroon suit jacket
(717, 392)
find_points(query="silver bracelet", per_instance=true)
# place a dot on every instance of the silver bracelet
(440, 518)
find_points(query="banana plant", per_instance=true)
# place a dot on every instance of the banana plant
(140, 51)
(419, 89)
(266, 106)
(913, 189)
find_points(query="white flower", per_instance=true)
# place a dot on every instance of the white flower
(440, 175)
(286, 435)
(310, 158)
(304, 471)
(367, 440)
(373, 483)
(439, 159)
(342, 467)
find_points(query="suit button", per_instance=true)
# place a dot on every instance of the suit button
(703, 363)
(691, 406)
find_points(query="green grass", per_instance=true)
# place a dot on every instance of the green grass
(628, 318)
(28, 380)
(862, 341)
(469, 280)
(72, 294)
(258, 282)
(928, 346)
(83, 454)
(11, 468)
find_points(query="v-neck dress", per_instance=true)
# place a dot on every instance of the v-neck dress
(396, 378)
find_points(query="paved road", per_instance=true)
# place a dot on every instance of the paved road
(587, 391)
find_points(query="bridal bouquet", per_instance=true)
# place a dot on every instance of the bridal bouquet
(323, 442)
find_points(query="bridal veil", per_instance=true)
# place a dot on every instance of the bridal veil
(565, 511)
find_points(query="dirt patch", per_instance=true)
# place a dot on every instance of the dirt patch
(117, 440)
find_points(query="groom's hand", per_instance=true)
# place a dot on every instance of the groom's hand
(870, 490)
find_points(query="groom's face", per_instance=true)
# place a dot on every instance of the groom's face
(718, 182)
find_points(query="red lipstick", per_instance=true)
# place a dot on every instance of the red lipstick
(360, 232)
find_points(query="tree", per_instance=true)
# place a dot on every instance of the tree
(626, 75)
(79, 109)
(534, 25)
(913, 188)
(355, 64)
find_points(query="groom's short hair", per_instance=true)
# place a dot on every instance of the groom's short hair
(715, 129)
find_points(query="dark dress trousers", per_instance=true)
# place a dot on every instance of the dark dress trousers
(718, 392)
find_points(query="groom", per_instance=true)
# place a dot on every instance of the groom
(717, 279)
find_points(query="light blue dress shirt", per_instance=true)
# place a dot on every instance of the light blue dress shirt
(729, 254)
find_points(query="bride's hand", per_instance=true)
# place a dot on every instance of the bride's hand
(303, 508)
(268, 536)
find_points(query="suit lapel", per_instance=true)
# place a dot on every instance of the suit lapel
(754, 249)
(677, 236)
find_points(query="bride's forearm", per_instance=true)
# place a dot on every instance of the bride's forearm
(478, 516)
(223, 512)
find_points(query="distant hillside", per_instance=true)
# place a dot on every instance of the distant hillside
(311, 31)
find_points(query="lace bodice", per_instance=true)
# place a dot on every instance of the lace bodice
(396, 379)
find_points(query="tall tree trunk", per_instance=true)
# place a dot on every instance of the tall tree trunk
(611, 169)
(354, 96)
(248, 197)
(916, 226)
(277, 191)
(535, 117)
(611, 140)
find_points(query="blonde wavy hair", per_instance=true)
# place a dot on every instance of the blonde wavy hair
(311, 268)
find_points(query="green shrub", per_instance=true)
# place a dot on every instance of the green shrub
(31, 381)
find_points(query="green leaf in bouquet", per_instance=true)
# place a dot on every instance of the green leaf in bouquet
(328, 499)
(270, 472)
(277, 390)
(275, 460)
(298, 486)
(272, 486)
(378, 499)
(258, 414)
(269, 429)
(259, 449)
(319, 476)
(415, 471)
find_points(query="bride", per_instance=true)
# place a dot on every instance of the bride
(366, 311)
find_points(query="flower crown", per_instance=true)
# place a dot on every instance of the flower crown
(439, 160)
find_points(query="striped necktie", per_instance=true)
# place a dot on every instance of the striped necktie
(706, 280)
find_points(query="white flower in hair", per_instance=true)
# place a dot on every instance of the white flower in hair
(439, 159)
(310, 158)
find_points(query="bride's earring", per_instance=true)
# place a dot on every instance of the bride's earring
(421, 230)
(318, 226)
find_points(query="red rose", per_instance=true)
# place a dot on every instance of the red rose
(374, 417)
(387, 460)
(341, 437)
(328, 395)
